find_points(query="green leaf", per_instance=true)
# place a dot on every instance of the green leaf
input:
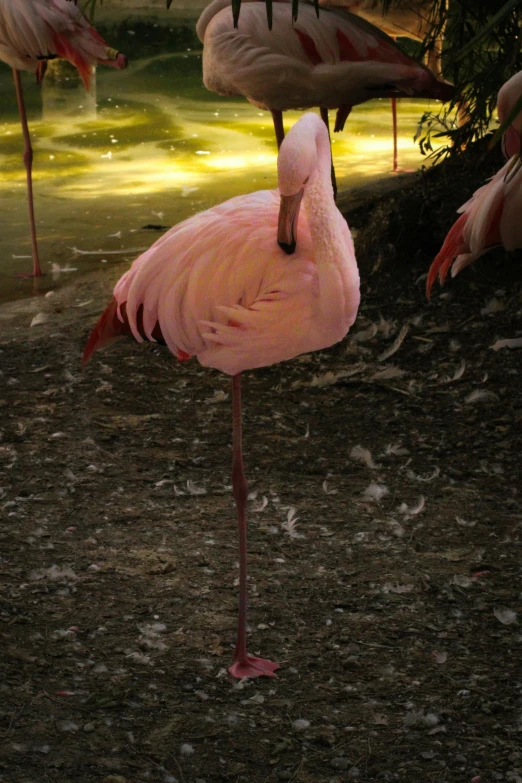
(515, 111)
(470, 46)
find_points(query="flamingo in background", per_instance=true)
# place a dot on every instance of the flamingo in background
(492, 216)
(35, 31)
(219, 286)
(335, 61)
(412, 20)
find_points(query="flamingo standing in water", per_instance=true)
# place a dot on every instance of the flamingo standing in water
(335, 61)
(32, 32)
(243, 285)
(492, 216)
(412, 20)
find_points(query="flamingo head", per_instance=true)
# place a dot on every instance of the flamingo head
(298, 160)
(508, 95)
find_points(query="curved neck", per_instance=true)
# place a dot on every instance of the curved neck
(319, 203)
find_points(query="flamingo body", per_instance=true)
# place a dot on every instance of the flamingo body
(32, 31)
(332, 61)
(220, 287)
(491, 217)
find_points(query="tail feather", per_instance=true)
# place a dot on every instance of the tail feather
(454, 245)
(114, 324)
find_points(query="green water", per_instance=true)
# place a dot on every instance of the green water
(155, 149)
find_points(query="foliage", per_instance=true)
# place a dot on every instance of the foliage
(481, 51)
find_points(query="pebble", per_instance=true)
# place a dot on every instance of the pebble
(89, 727)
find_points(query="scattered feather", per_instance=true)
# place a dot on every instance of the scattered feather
(187, 750)
(261, 505)
(463, 523)
(290, 525)
(388, 374)
(395, 449)
(365, 334)
(480, 395)
(514, 342)
(301, 724)
(430, 477)
(505, 616)
(439, 657)
(375, 492)
(360, 454)
(412, 511)
(194, 490)
(395, 345)
(457, 375)
(40, 318)
(328, 491)
(218, 396)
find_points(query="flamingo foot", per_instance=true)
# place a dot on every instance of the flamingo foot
(253, 667)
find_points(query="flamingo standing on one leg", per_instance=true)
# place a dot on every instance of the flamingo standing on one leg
(335, 61)
(492, 216)
(220, 287)
(412, 20)
(35, 31)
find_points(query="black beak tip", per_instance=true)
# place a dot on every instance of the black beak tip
(288, 247)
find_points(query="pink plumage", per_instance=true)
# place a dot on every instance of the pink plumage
(491, 217)
(32, 31)
(224, 265)
(245, 285)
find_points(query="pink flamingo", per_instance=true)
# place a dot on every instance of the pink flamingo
(406, 21)
(220, 287)
(335, 61)
(35, 31)
(491, 217)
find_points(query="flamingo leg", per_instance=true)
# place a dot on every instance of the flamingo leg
(244, 665)
(277, 117)
(324, 117)
(28, 161)
(394, 119)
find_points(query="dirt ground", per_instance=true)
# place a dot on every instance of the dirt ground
(385, 529)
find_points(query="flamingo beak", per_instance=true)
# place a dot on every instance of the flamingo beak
(287, 225)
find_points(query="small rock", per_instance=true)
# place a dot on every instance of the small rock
(89, 727)
(340, 763)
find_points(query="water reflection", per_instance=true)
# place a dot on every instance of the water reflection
(157, 149)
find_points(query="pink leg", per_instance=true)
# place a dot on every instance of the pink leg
(394, 118)
(28, 161)
(244, 665)
(277, 117)
(324, 117)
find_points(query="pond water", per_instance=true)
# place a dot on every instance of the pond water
(152, 149)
